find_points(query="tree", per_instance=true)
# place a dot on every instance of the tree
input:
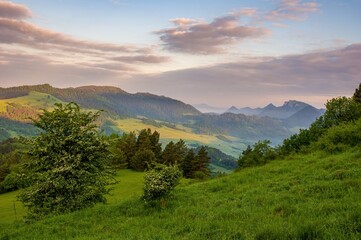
(186, 165)
(341, 110)
(142, 159)
(357, 94)
(174, 153)
(67, 162)
(201, 162)
(260, 154)
(128, 145)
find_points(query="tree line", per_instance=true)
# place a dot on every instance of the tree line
(140, 151)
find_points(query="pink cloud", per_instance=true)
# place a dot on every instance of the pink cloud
(319, 75)
(197, 37)
(59, 48)
(13, 10)
(292, 10)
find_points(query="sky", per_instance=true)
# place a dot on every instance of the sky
(220, 53)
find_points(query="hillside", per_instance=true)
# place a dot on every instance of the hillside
(125, 112)
(111, 99)
(302, 197)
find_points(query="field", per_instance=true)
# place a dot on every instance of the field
(310, 196)
(34, 99)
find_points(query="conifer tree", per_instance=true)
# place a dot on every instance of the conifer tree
(187, 164)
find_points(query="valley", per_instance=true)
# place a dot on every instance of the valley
(124, 112)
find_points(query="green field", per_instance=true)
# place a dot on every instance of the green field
(311, 196)
(35, 100)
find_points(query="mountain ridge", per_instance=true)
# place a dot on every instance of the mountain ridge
(284, 112)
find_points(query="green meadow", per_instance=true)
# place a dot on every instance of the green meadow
(34, 99)
(312, 196)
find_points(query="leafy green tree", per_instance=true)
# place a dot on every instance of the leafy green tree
(68, 162)
(341, 110)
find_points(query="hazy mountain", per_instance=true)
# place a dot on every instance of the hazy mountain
(205, 108)
(251, 128)
(304, 117)
(286, 110)
(293, 113)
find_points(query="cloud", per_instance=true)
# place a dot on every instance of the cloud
(55, 50)
(24, 69)
(200, 37)
(13, 10)
(197, 37)
(142, 59)
(292, 10)
(18, 32)
(312, 77)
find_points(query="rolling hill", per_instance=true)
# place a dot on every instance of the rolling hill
(124, 112)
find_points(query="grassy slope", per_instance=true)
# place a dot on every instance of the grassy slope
(34, 99)
(304, 197)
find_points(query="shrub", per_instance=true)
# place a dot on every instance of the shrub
(159, 183)
(14, 181)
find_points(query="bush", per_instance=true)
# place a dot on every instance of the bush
(159, 183)
(340, 138)
(14, 181)
(260, 154)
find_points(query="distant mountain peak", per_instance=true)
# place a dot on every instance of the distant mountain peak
(270, 106)
(233, 108)
(294, 104)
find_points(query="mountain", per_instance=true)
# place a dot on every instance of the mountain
(304, 117)
(286, 110)
(205, 108)
(233, 109)
(293, 113)
(113, 100)
(252, 128)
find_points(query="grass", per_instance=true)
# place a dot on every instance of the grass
(34, 99)
(303, 197)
